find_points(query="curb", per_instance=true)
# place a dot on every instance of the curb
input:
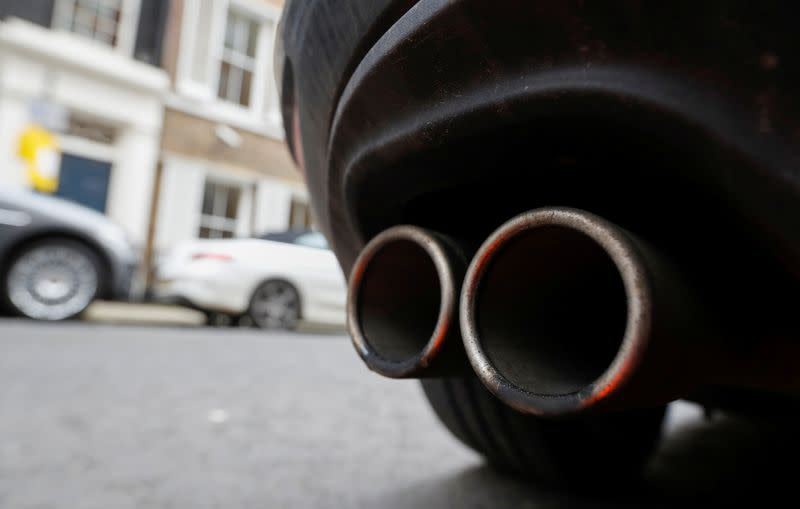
(141, 313)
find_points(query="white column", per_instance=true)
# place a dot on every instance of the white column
(273, 201)
(180, 203)
(13, 120)
(21, 79)
(244, 227)
(130, 190)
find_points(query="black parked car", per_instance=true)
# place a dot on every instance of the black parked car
(583, 210)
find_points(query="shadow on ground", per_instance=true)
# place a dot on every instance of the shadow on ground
(722, 461)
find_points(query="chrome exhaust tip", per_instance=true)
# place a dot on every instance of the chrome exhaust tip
(556, 311)
(402, 304)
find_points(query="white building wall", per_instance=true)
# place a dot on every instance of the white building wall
(132, 181)
(179, 204)
(273, 204)
(13, 118)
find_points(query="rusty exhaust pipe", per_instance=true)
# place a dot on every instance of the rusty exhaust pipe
(563, 311)
(402, 304)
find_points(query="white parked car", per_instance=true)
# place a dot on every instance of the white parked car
(277, 279)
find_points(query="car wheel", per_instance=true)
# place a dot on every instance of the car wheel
(275, 305)
(52, 280)
(581, 452)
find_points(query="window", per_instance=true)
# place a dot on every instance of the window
(220, 211)
(238, 59)
(300, 215)
(89, 129)
(226, 58)
(111, 22)
(312, 239)
(307, 239)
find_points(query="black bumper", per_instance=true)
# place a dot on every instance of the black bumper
(389, 100)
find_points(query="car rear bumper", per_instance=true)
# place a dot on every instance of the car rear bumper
(203, 294)
(387, 110)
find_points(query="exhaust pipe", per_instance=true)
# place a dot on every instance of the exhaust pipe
(563, 311)
(402, 304)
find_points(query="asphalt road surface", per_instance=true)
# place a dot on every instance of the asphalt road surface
(110, 418)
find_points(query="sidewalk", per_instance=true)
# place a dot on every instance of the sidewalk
(146, 313)
(142, 313)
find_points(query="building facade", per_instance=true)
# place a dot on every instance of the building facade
(165, 112)
(88, 68)
(223, 157)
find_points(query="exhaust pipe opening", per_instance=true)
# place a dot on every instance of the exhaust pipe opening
(552, 310)
(555, 311)
(399, 301)
(402, 302)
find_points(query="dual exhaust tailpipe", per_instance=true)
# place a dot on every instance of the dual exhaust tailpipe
(560, 312)
(402, 304)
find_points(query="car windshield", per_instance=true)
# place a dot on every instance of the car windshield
(311, 239)
(298, 238)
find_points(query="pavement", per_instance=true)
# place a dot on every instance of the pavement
(143, 313)
(111, 417)
(155, 314)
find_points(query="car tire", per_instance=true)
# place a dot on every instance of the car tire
(275, 304)
(52, 280)
(591, 451)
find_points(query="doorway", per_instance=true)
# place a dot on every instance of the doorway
(84, 181)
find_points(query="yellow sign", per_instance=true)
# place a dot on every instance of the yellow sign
(39, 149)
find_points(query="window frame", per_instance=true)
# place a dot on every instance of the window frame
(242, 223)
(219, 222)
(236, 59)
(127, 28)
(263, 108)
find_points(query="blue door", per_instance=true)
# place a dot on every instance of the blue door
(84, 181)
